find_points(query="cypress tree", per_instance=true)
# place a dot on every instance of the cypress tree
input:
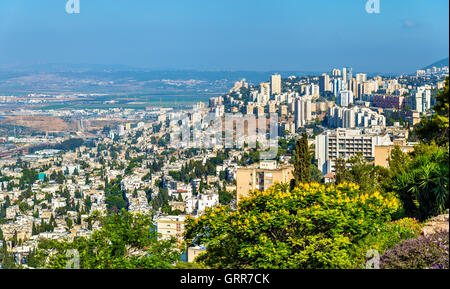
(33, 230)
(302, 161)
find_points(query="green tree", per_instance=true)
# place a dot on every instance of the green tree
(312, 226)
(302, 162)
(69, 224)
(342, 172)
(126, 241)
(370, 178)
(436, 127)
(398, 161)
(423, 184)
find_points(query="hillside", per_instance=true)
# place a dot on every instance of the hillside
(438, 64)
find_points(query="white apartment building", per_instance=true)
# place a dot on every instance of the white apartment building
(346, 143)
(302, 111)
(198, 204)
(338, 86)
(345, 98)
(341, 117)
(420, 99)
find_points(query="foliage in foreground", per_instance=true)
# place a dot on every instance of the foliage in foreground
(429, 252)
(422, 181)
(436, 128)
(386, 237)
(312, 226)
(126, 241)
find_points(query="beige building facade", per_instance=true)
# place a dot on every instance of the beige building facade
(261, 177)
(383, 152)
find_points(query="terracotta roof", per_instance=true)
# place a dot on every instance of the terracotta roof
(330, 176)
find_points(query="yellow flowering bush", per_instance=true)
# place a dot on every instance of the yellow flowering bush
(312, 226)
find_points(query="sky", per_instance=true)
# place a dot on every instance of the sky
(260, 35)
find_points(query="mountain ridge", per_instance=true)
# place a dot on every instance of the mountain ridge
(441, 63)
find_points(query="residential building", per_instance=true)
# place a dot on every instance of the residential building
(276, 84)
(388, 101)
(341, 117)
(338, 86)
(171, 227)
(345, 98)
(346, 143)
(303, 112)
(383, 152)
(261, 176)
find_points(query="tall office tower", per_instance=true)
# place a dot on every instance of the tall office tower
(361, 77)
(338, 86)
(324, 83)
(276, 84)
(345, 98)
(336, 72)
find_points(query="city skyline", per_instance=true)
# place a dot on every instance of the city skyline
(224, 134)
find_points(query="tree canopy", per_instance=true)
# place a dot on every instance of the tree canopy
(311, 226)
(126, 241)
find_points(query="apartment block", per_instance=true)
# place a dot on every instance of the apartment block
(171, 227)
(261, 176)
(346, 143)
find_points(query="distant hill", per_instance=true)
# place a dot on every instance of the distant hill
(438, 64)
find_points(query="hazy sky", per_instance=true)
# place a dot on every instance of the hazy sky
(313, 35)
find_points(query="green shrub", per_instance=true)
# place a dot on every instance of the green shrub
(423, 184)
(386, 237)
(312, 226)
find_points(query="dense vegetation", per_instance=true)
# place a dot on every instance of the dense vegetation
(311, 226)
(126, 241)
(308, 225)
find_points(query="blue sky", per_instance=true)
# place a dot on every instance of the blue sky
(275, 35)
